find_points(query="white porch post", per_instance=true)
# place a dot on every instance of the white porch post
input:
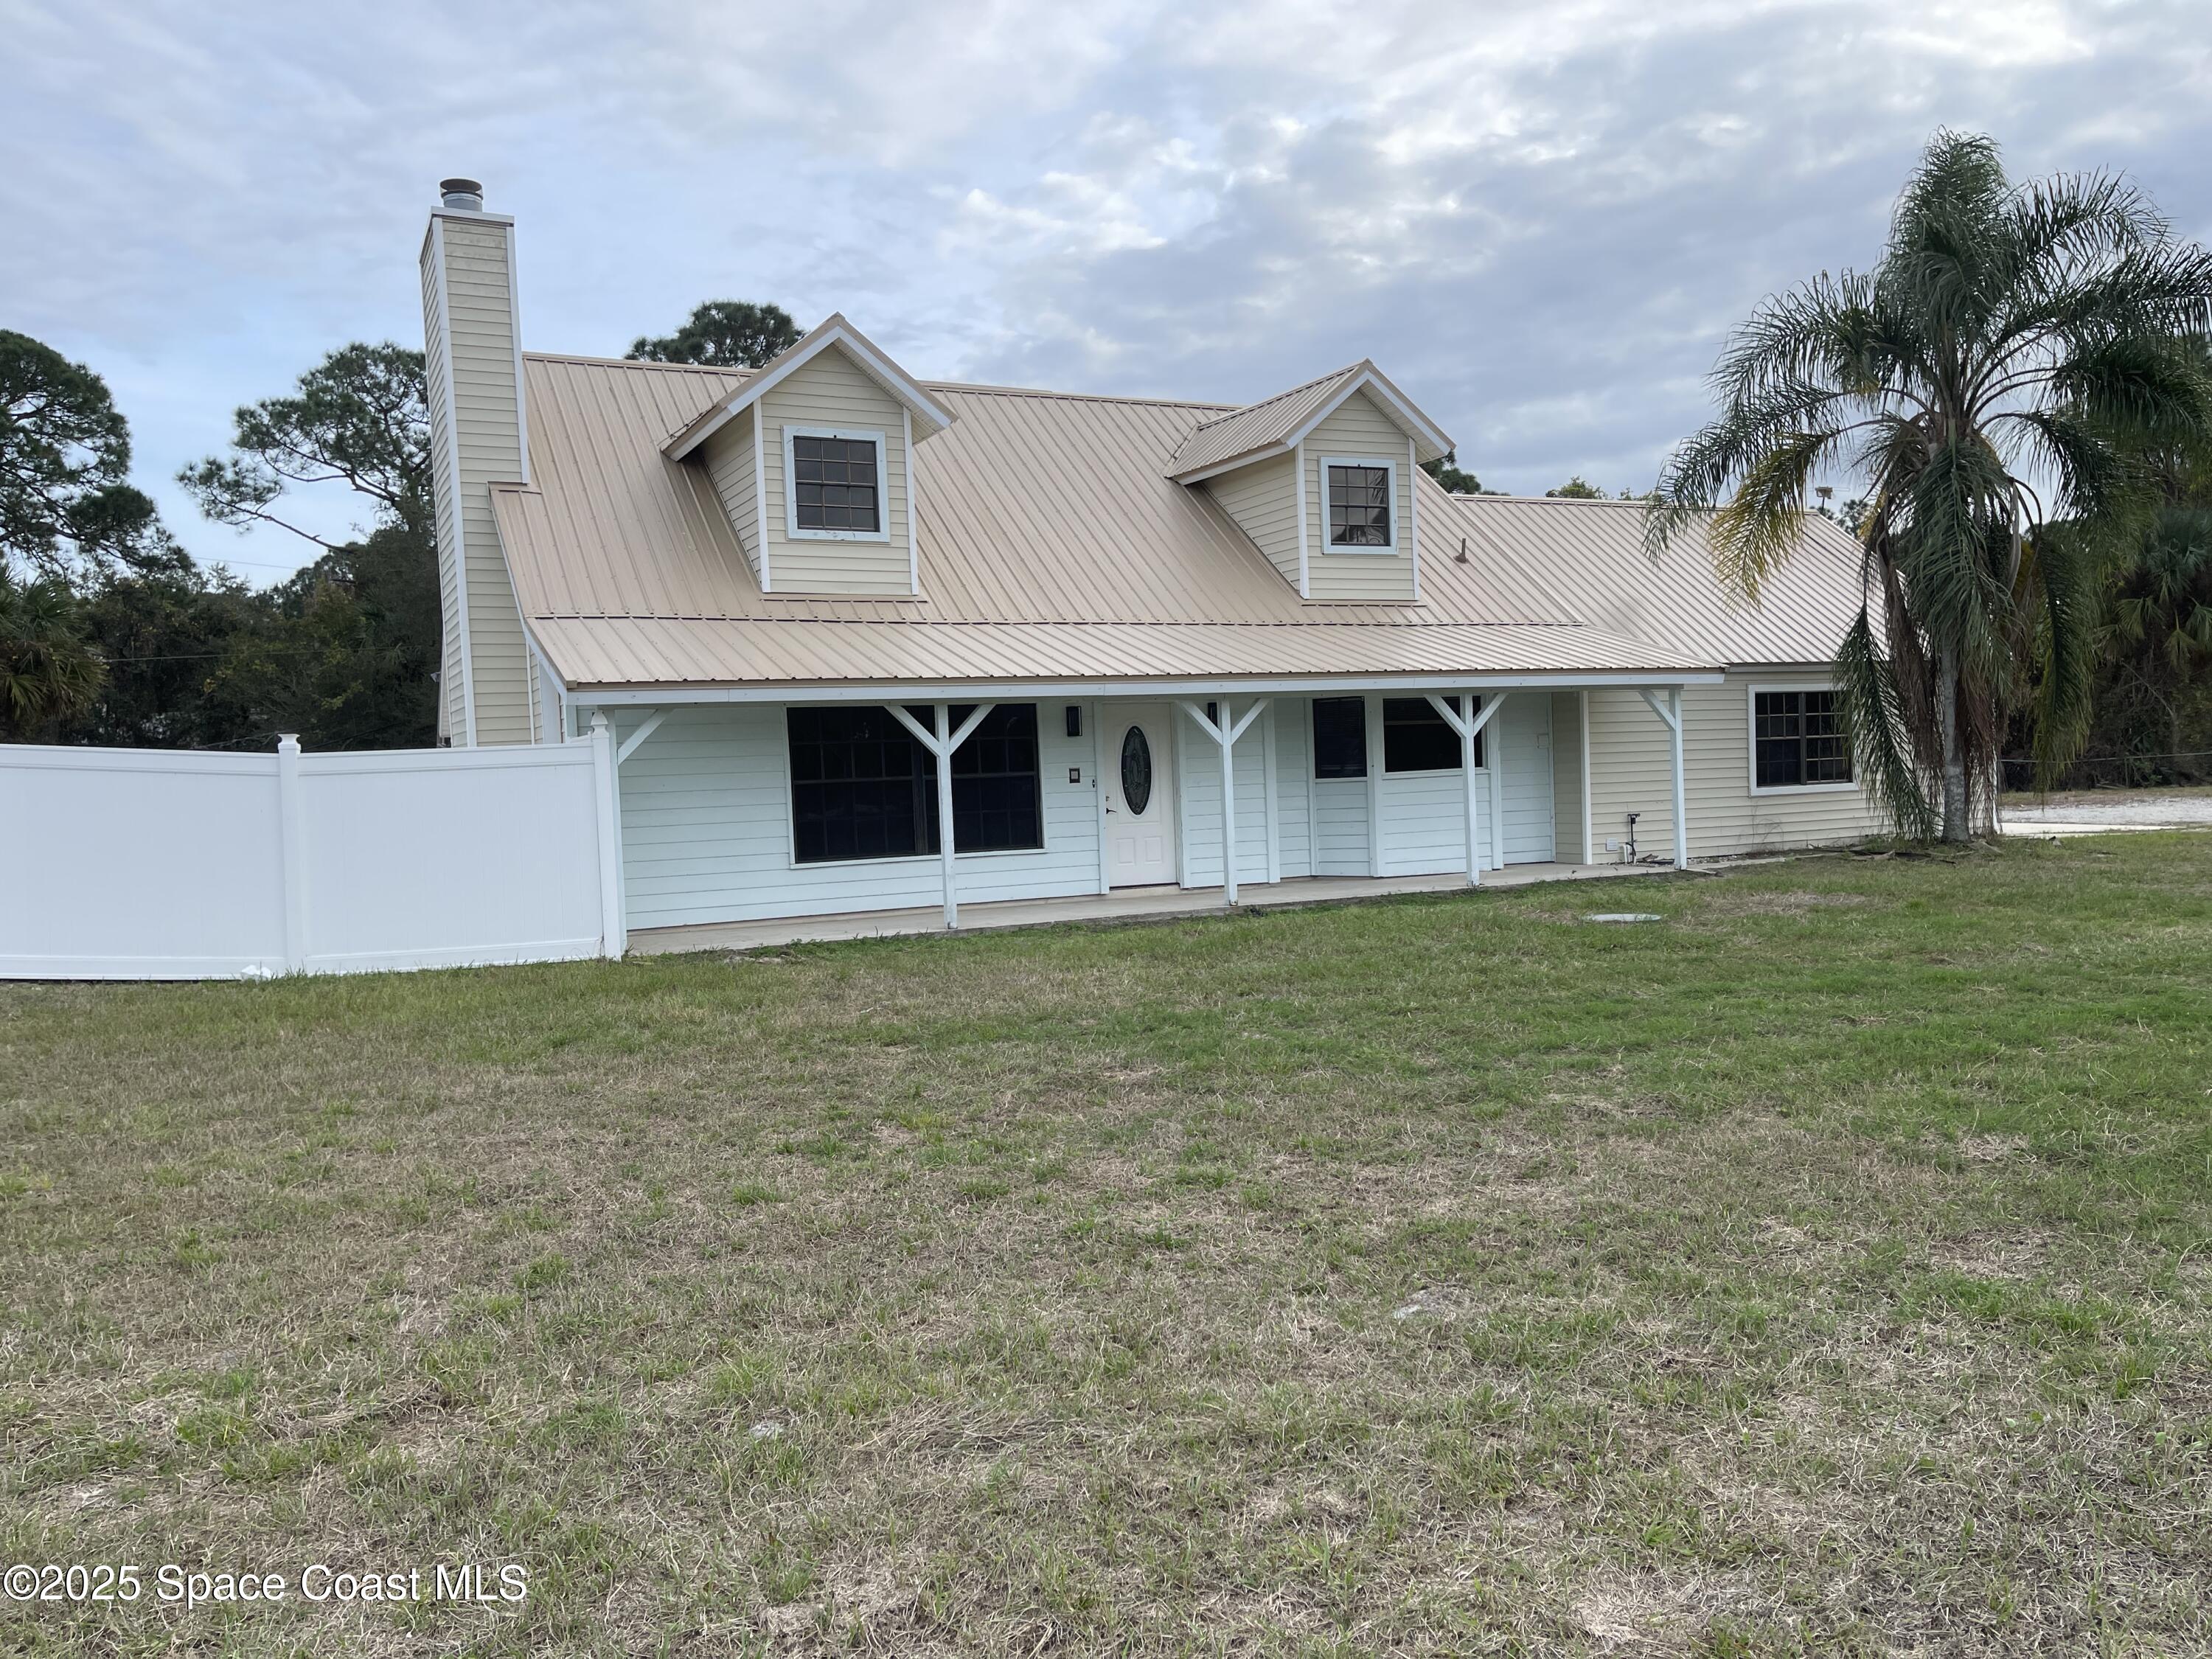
(1224, 733)
(1681, 813)
(614, 928)
(1228, 812)
(941, 716)
(942, 744)
(1670, 715)
(1469, 726)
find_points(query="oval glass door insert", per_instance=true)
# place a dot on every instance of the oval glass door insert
(1136, 771)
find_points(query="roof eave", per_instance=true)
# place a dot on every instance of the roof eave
(854, 690)
(1430, 441)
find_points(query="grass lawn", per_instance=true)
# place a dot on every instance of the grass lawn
(1823, 1270)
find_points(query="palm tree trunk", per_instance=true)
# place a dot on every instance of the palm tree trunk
(1955, 828)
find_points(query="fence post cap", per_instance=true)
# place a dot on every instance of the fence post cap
(598, 720)
(288, 743)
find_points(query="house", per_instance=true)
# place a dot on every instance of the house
(1161, 642)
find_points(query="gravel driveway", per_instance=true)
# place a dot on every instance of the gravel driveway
(2126, 809)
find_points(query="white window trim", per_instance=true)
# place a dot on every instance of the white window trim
(1753, 692)
(881, 532)
(1388, 466)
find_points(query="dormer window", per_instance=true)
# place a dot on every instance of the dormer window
(1359, 495)
(837, 484)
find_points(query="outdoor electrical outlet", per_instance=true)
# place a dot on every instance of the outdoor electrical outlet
(1613, 847)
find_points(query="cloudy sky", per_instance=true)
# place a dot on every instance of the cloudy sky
(1541, 218)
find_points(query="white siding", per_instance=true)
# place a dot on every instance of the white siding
(1358, 428)
(729, 459)
(831, 391)
(1629, 772)
(1263, 499)
(1340, 826)
(1425, 822)
(706, 830)
(1425, 813)
(487, 417)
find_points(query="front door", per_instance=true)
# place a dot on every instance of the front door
(1139, 785)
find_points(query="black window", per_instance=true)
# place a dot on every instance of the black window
(835, 481)
(1798, 740)
(1340, 732)
(1417, 739)
(995, 805)
(861, 786)
(1359, 506)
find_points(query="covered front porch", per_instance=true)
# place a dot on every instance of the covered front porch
(1129, 904)
(847, 813)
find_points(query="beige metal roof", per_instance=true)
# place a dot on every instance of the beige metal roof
(1052, 544)
(1592, 550)
(1273, 424)
(1258, 426)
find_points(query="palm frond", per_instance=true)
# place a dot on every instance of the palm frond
(1757, 528)
(1870, 707)
(2063, 568)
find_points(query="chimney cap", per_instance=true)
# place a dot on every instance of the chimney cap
(464, 193)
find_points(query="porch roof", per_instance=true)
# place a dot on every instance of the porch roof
(638, 652)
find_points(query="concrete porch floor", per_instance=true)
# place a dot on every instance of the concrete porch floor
(1126, 904)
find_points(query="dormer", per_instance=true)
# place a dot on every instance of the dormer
(1321, 477)
(812, 458)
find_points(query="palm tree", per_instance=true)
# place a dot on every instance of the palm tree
(48, 669)
(2011, 363)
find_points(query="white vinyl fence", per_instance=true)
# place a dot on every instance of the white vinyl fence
(158, 864)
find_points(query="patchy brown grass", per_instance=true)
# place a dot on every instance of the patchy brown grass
(1821, 1271)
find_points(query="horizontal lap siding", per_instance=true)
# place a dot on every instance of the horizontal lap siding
(480, 313)
(706, 828)
(1425, 822)
(1424, 814)
(830, 392)
(1198, 796)
(1263, 499)
(1631, 772)
(729, 457)
(1340, 826)
(1358, 428)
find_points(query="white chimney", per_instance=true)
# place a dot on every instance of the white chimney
(479, 436)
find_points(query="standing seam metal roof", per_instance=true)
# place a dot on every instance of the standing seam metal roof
(1049, 536)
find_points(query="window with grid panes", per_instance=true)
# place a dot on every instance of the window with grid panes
(834, 483)
(1797, 740)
